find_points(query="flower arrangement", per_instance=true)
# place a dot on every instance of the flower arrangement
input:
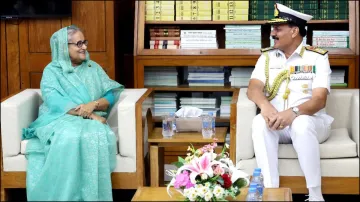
(206, 176)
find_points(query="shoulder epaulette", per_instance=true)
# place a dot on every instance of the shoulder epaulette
(267, 49)
(316, 50)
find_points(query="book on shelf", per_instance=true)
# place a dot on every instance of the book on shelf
(166, 37)
(193, 10)
(230, 11)
(198, 39)
(242, 36)
(225, 106)
(160, 10)
(160, 76)
(164, 103)
(205, 76)
(331, 39)
(206, 104)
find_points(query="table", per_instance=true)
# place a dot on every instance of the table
(160, 194)
(157, 143)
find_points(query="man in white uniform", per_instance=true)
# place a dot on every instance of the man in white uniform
(296, 82)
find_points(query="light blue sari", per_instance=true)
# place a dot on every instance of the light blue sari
(69, 157)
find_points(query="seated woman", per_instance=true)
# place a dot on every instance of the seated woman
(71, 150)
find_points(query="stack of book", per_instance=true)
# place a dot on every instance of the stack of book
(198, 39)
(205, 76)
(240, 77)
(164, 103)
(330, 39)
(225, 106)
(166, 37)
(206, 104)
(160, 10)
(193, 10)
(160, 76)
(310, 7)
(262, 9)
(303, 42)
(230, 10)
(243, 36)
(333, 10)
(338, 78)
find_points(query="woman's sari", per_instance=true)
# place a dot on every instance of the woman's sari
(69, 157)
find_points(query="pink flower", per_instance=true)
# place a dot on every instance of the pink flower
(199, 166)
(182, 180)
(218, 170)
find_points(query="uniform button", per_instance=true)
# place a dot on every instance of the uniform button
(304, 86)
(305, 91)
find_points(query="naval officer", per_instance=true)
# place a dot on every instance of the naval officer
(290, 84)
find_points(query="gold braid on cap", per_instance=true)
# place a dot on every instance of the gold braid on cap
(273, 90)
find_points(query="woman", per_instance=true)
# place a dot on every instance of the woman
(71, 150)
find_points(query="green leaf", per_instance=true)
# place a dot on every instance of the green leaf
(240, 183)
(178, 164)
(220, 180)
(181, 160)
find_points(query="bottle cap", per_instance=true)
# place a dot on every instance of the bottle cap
(256, 173)
(258, 169)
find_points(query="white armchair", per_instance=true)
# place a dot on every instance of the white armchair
(127, 120)
(339, 154)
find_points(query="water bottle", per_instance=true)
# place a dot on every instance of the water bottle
(212, 122)
(206, 126)
(251, 196)
(172, 116)
(254, 185)
(261, 175)
(260, 187)
(167, 126)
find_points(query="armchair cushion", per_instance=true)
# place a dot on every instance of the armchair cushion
(339, 145)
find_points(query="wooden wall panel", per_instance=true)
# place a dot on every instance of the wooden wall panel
(35, 79)
(40, 32)
(90, 17)
(25, 44)
(13, 62)
(4, 80)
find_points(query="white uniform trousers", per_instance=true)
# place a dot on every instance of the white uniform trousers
(305, 133)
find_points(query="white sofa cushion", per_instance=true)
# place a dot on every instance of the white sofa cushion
(19, 163)
(339, 145)
(346, 167)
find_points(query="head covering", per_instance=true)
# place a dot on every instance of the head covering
(284, 15)
(60, 51)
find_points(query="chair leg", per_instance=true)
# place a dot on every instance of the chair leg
(4, 195)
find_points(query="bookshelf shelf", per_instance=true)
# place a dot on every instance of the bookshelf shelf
(250, 22)
(194, 88)
(254, 52)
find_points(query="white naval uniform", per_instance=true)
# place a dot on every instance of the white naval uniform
(305, 132)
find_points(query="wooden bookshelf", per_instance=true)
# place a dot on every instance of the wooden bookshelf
(340, 58)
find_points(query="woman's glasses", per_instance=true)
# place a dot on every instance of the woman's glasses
(80, 43)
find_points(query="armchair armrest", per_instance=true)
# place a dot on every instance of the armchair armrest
(17, 112)
(246, 111)
(355, 119)
(123, 119)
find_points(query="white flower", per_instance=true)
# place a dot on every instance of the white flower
(218, 191)
(192, 196)
(207, 184)
(204, 176)
(227, 145)
(202, 191)
(208, 196)
(197, 186)
(186, 192)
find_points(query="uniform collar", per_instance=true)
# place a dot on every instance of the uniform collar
(299, 51)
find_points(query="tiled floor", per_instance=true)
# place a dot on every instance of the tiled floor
(19, 195)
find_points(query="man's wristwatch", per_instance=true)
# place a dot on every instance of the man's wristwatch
(296, 111)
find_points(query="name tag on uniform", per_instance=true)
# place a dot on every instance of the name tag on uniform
(303, 72)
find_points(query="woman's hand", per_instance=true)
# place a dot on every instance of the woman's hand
(85, 110)
(98, 118)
